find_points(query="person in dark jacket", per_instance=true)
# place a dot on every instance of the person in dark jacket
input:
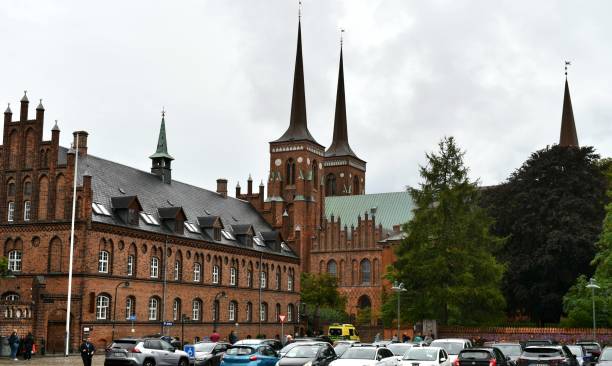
(87, 351)
(28, 344)
(232, 337)
(14, 344)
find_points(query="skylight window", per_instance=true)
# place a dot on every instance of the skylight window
(258, 241)
(149, 219)
(100, 209)
(227, 235)
(191, 227)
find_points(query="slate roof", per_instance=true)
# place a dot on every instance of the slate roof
(392, 208)
(110, 179)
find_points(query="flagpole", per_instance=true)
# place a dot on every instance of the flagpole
(76, 164)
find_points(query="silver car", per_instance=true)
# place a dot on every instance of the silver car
(144, 352)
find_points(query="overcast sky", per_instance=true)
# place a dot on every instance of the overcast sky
(489, 73)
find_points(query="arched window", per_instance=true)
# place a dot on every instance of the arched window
(11, 212)
(176, 309)
(102, 307)
(43, 197)
(277, 313)
(153, 308)
(278, 278)
(60, 196)
(215, 274)
(365, 270)
(332, 268)
(130, 265)
(232, 311)
(197, 272)
(154, 267)
(356, 186)
(196, 310)
(27, 206)
(55, 255)
(364, 302)
(250, 275)
(249, 312)
(315, 174)
(130, 307)
(263, 280)
(330, 185)
(27, 188)
(14, 261)
(290, 280)
(290, 176)
(263, 311)
(30, 153)
(177, 270)
(10, 191)
(103, 258)
(10, 296)
(215, 313)
(233, 272)
(289, 313)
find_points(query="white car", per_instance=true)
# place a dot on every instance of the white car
(452, 346)
(426, 356)
(366, 356)
(400, 349)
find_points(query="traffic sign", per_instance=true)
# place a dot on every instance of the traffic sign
(282, 318)
(132, 317)
(190, 349)
(168, 324)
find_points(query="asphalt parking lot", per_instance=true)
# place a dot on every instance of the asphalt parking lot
(98, 360)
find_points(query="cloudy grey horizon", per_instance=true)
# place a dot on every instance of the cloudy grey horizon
(488, 73)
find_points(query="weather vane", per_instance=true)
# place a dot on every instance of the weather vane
(341, 36)
(163, 111)
(567, 63)
(300, 10)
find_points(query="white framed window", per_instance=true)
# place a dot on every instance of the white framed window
(277, 313)
(263, 311)
(153, 308)
(232, 311)
(249, 312)
(130, 310)
(103, 258)
(249, 278)
(177, 270)
(11, 297)
(197, 272)
(196, 310)
(290, 282)
(102, 304)
(130, 265)
(263, 278)
(215, 274)
(154, 267)
(290, 313)
(233, 276)
(14, 261)
(278, 280)
(11, 212)
(176, 309)
(27, 206)
(215, 313)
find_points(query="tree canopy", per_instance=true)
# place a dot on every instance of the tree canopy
(446, 262)
(551, 210)
(319, 293)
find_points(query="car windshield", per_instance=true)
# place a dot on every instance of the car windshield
(240, 351)
(204, 347)
(399, 349)
(606, 355)
(452, 348)
(576, 350)
(510, 349)
(358, 353)
(303, 351)
(542, 352)
(288, 347)
(335, 331)
(475, 354)
(421, 354)
(591, 347)
(341, 348)
(123, 344)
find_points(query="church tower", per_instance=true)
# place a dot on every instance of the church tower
(161, 160)
(344, 171)
(296, 166)
(568, 135)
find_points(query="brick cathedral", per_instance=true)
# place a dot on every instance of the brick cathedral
(155, 255)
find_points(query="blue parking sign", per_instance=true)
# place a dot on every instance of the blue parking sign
(190, 349)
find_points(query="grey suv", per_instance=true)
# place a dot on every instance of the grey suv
(144, 352)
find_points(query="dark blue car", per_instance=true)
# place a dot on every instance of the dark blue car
(250, 355)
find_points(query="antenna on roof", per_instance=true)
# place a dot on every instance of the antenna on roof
(567, 63)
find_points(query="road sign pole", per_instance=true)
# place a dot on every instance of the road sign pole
(282, 320)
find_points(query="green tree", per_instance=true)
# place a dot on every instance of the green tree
(446, 262)
(3, 266)
(551, 209)
(323, 301)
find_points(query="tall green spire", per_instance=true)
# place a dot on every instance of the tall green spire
(162, 145)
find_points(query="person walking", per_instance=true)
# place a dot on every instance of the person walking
(14, 344)
(214, 337)
(377, 337)
(232, 337)
(87, 351)
(28, 344)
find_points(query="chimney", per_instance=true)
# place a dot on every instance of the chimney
(222, 187)
(40, 112)
(261, 193)
(24, 107)
(238, 190)
(250, 185)
(82, 141)
(55, 132)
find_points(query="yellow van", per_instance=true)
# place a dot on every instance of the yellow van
(343, 332)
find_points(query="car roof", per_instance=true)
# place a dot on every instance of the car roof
(128, 340)
(451, 340)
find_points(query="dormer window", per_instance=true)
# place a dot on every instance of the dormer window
(127, 208)
(244, 234)
(217, 234)
(211, 226)
(173, 217)
(133, 216)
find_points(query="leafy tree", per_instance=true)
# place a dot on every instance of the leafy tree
(446, 262)
(551, 209)
(320, 294)
(3, 266)
(364, 316)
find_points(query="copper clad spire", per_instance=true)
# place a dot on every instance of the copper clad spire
(568, 135)
(298, 127)
(340, 145)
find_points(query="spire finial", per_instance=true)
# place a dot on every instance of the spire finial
(163, 112)
(300, 10)
(25, 96)
(567, 63)
(341, 37)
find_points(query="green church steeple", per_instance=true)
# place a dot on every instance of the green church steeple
(161, 159)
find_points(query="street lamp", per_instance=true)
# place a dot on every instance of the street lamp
(125, 284)
(216, 310)
(398, 288)
(593, 285)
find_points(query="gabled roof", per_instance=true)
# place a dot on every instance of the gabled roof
(270, 235)
(124, 202)
(392, 208)
(208, 222)
(243, 230)
(170, 213)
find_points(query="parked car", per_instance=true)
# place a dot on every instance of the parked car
(482, 356)
(209, 353)
(512, 350)
(538, 342)
(274, 343)
(426, 356)
(593, 348)
(322, 338)
(366, 356)
(250, 355)
(290, 346)
(452, 346)
(547, 355)
(341, 346)
(144, 352)
(319, 353)
(175, 342)
(582, 356)
(605, 359)
(399, 349)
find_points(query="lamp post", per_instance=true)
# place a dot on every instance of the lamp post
(593, 285)
(216, 309)
(398, 288)
(184, 318)
(125, 284)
